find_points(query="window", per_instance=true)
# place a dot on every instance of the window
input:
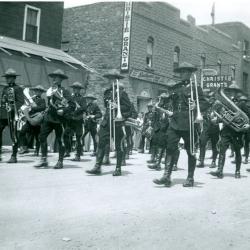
(245, 81)
(31, 26)
(149, 57)
(245, 48)
(176, 57)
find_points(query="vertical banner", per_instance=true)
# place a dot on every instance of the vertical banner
(126, 36)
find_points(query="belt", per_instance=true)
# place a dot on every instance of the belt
(181, 108)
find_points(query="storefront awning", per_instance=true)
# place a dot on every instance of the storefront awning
(47, 53)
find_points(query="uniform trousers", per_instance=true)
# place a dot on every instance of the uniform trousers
(46, 128)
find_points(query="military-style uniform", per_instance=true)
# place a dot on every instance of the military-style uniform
(210, 131)
(104, 132)
(160, 126)
(75, 124)
(147, 121)
(28, 128)
(179, 125)
(59, 111)
(11, 101)
(229, 135)
(90, 125)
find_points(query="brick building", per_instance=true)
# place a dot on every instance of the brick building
(241, 35)
(30, 42)
(146, 41)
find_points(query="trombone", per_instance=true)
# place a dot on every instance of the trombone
(192, 119)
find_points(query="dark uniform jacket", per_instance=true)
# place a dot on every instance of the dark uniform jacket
(41, 105)
(19, 99)
(79, 111)
(93, 109)
(52, 116)
(179, 99)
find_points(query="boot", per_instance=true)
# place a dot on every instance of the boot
(124, 162)
(166, 178)
(246, 161)
(67, 154)
(155, 166)
(77, 158)
(43, 163)
(219, 172)
(12, 159)
(24, 150)
(95, 170)
(175, 160)
(117, 171)
(93, 154)
(213, 165)
(189, 182)
(153, 155)
(237, 174)
(58, 165)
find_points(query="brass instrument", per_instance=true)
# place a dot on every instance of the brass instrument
(60, 101)
(34, 119)
(192, 119)
(229, 113)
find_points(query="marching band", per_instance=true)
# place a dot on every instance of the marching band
(183, 112)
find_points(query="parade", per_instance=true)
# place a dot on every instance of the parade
(139, 119)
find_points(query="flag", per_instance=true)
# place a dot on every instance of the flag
(213, 13)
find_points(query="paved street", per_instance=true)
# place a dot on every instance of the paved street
(67, 209)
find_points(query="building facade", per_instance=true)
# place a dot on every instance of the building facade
(30, 43)
(146, 41)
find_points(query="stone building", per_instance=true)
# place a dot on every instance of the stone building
(146, 41)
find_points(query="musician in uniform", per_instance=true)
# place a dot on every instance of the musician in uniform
(60, 108)
(93, 113)
(229, 135)
(147, 121)
(75, 124)
(159, 138)
(210, 131)
(11, 101)
(104, 132)
(178, 126)
(38, 105)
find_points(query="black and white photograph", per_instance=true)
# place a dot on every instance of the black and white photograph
(124, 125)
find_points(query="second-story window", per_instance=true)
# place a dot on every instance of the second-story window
(31, 27)
(176, 57)
(149, 57)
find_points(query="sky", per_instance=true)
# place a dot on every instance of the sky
(225, 10)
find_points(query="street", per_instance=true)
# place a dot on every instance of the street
(68, 209)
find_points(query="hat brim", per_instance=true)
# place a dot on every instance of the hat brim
(113, 76)
(91, 97)
(10, 75)
(180, 69)
(61, 75)
(76, 87)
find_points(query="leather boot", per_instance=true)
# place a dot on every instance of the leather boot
(175, 160)
(238, 165)
(95, 170)
(58, 165)
(12, 159)
(219, 172)
(166, 178)
(153, 155)
(117, 171)
(191, 167)
(245, 161)
(43, 163)
(67, 154)
(201, 164)
(157, 164)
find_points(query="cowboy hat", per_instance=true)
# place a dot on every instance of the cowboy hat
(77, 85)
(10, 72)
(39, 88)
(185, 66)
(58, 72)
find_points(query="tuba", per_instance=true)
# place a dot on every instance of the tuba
(229, 112)
(34, 119)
